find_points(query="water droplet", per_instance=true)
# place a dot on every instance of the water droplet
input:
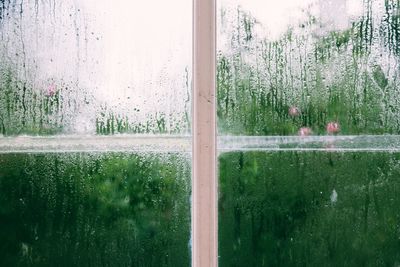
(334, 196)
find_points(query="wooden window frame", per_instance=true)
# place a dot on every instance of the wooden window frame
(204, 158)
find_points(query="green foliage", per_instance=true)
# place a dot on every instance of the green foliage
(280, 209)
(333, 76)
(390, 26)
(348, 76)
(25, 110)
(109, 123)
(94, 210)
(28, 110)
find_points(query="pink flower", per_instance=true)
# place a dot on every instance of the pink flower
(51, 90)
(332, 128)
(294, 111)
(305, 131)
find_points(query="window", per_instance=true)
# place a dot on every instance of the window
(95, 161)
(309, 90)
(285, 115)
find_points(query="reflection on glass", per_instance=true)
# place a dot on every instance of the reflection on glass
(93, 209)
(308, 67)
(299, 208)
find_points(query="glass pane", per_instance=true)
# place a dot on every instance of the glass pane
(308, 67)
(91, 92)
(94, 66)
(94, 209)
(308, 108)
(317, 208)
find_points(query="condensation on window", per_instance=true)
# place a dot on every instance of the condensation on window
(308, 67)
(95, 67)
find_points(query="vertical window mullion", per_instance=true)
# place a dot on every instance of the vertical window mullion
(204, 182)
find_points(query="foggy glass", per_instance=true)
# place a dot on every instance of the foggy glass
(308, 118)
(94, 209)
(308, 67)
(94, 126)
(95, 67)
(299, 208)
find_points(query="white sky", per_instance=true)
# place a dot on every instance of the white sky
(142, 39)
(276, 15)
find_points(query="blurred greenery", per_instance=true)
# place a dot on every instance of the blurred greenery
(94, 210)
(275, 208)
(27, 111)
(309, 209)
(348, 76)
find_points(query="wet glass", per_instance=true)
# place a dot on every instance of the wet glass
(94, 133)
(315, 208)
(87, 67)
(95, 209)
(302, 67)
(308, 123)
